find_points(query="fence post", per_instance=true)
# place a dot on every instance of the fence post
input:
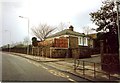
(83, 68)
(50, 52)
(38, 51)
(78, 62)
(94, 71)
(32, 50)
(75, 64)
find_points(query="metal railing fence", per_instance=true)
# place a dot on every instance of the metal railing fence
(93, 69)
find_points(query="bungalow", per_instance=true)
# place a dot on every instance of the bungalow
(67, 38)
(61, 43)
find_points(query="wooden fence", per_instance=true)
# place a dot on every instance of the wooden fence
(50, 52)
(54, 52)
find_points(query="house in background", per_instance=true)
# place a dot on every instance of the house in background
(93, 36)
(95, 43)
(66, 43)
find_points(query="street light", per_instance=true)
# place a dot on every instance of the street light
(118, 10)
(28, 32)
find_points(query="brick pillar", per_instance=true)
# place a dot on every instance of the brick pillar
(109, 62)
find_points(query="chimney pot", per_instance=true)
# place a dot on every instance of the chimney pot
(71, 28)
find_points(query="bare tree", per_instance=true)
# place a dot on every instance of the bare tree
(62, 26)
(42, 31)
(87, 30)
(26, 40)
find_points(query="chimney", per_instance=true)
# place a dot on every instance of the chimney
(71, 28)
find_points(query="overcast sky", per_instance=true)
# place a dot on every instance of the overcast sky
(52, 12)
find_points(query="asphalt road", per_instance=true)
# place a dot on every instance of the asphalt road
(17, 69)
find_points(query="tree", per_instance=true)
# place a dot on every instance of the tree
(26, 41)
(87, 30)
(19, 44)
(34, 41)
(106, 19)
(61, 26)
(42, 31)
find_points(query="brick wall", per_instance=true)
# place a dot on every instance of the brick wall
(73, 42)
(61, 42)
(81, 52)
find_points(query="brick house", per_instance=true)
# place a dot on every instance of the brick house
(66, 39)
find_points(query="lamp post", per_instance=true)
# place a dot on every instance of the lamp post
(28, 33)
(118, 10)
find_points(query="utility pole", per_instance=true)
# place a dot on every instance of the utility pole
(118, 10)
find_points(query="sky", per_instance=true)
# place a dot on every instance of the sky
(52, 12)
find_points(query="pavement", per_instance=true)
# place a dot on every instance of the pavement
(67, 65)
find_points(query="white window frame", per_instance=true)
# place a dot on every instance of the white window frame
(80, 40)
(86, 41)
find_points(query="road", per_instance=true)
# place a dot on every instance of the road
(17, 69)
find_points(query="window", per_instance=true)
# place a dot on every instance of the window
(85, 41)
(80, 41)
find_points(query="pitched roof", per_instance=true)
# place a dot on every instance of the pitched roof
(66, 32)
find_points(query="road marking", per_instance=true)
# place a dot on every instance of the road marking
(71, 79)
(54, 72)
(61, 75)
